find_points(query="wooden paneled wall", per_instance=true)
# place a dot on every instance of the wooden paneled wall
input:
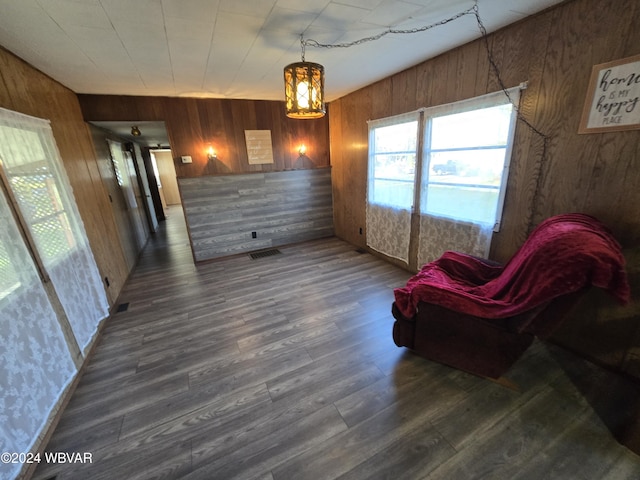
(118, 203)
(27, 90)
(131, 222)
(194, 124)
(279, 207)
(597, 174)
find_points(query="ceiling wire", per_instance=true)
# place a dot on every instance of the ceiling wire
(546, 139)
(314, 43)
(474, 10)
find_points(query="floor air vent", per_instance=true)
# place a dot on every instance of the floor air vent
(264, 253)
(123, 307)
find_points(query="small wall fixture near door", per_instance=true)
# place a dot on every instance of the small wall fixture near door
(259, 149)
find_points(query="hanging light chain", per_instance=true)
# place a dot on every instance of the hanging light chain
(474, 10)
(546, 139)
(315, 43)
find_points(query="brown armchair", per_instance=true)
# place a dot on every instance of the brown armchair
(480, 316)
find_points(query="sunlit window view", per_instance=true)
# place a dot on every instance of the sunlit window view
(464, 163)
(34, 187)
(393, 152)
(463, 159)
(49, 221)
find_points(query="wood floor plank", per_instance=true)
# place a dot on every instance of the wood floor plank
(73, 437)
(409, 458)
(376, 434)
(268, 451)
(275, 417)
(411, 375)
(223, 411)
(284, 367)
(579, 448)
(514, 442)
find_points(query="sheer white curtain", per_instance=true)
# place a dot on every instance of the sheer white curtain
(389, 230)
(391, 183)
(35, 363)
(438, 235)
(39, 183)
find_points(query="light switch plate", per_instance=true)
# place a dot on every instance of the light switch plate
(186, 159)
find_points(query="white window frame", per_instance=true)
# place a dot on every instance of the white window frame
(512, 96)
(387, 122)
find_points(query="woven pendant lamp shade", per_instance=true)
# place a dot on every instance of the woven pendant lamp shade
(304, 90)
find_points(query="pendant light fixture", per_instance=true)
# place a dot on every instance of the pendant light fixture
(304, 88)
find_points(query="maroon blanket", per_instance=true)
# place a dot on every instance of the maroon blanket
(562, 255)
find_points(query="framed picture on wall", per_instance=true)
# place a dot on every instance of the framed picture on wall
(259, 149)
(613, 98)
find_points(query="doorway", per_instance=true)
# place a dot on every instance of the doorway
(141, 188)
(166, 177)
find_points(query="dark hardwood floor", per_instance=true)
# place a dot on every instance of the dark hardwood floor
(284, 367)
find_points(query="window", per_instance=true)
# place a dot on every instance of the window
(454, 161)
(392, 161)
(33, 183)
(464, 162)
(38, 191)
(467, 147)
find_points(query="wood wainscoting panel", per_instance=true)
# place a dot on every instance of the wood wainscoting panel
(231, 214)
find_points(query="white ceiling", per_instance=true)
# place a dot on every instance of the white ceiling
(234, 48)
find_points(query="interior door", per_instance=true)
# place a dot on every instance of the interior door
(143, 185)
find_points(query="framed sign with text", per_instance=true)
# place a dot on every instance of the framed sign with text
(613, 98)
(259, 148)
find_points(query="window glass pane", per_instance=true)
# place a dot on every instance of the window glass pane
(396, 138)
(34, 186)
(38, 193)
(393, 193)
(392, 161)
(465, 162)
(475, 128)
(462, 202)
(482, 167)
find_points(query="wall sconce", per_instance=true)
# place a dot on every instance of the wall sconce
(135, 131)
(211, 153)
(302, 150)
